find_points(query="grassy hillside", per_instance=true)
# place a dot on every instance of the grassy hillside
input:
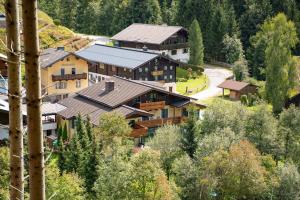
(51, 35)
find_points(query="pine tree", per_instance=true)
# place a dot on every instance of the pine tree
(72, 154)
(190, 132)
(196, 44)
(281, 69)
(15, 97)
(33, 100)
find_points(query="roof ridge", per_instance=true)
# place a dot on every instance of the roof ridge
(162, 25)
(130, 49)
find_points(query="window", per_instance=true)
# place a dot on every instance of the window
(171, 67)
(146, 79)
(78, 83)
(163, 53)
(170, 89)
(130, 70)
(65, 96)
(61, 85)
(140, 69)
(113, 68)
(171, 77)
(125, 69)
(62, 71)
(166, 67)
(73, 123)
(185, 50)
(174, 52)
(49, 132)
(184, 112)
(164, 113)
(73, 70)
(153, 97)
(165, 77)
(155, 67)
(101, 66)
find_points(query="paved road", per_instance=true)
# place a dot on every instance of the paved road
(216, 75)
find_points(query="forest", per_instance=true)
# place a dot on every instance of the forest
(238, 19)
(236, 150)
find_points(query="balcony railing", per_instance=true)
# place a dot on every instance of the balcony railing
(152, 105)
(157, 73)
(67, 77)
(161, 122)
(174, 46)
(138, 131)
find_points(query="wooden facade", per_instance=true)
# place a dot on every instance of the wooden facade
(176, 41)
(159, 69)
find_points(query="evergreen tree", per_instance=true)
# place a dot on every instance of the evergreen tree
(68, 10)
(61, 156)
(65, 133)
(281, 66)
(190, 132)
(196, 44)
(72, 154)
(147, 11)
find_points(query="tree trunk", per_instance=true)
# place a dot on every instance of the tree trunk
(33, 100)
(16, 188)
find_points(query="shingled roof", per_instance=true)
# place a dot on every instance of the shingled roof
(233, 85)
(50, 56)
(95, 100)
(147, 33)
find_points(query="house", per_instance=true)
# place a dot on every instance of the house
(145, 105)
(62, 73)
(105, 61)
(237, 88)
(163, 39)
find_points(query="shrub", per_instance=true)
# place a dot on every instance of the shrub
(244, 99)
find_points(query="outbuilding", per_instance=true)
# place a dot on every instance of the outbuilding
(237, 88)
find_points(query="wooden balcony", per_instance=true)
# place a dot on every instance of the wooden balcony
(174, 46)
(67, 77)
(139, 131)
(152, 105)
(157, 73)
(161, 122)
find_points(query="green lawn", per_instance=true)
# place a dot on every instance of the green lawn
(193, 85)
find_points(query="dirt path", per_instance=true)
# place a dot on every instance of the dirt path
(216, 75)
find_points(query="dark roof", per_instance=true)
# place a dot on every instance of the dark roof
(124, 91)
(123, 57)
(76, 104)
(94, 100)
(50, 56)
(147, 33)
(233, 85)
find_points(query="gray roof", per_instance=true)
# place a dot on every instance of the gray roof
(117, 56)
(147, 33)
(124, 90)
(94, 100)
(51, 56)
(51, 108)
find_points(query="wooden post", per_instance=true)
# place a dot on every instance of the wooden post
(16, 189)
(33, 100)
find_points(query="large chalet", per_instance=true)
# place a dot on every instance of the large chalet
(166, 40)
(146, 105)
(105, 61)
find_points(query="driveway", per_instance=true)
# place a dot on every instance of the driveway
(216, 75)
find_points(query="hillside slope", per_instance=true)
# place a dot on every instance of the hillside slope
(51, 35)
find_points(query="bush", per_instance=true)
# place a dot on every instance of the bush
(182, 80)
(244, 100)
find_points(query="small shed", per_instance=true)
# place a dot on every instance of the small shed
(237, 88)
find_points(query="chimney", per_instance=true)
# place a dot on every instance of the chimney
(61, 48)
(145, 48)
(109, 86)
